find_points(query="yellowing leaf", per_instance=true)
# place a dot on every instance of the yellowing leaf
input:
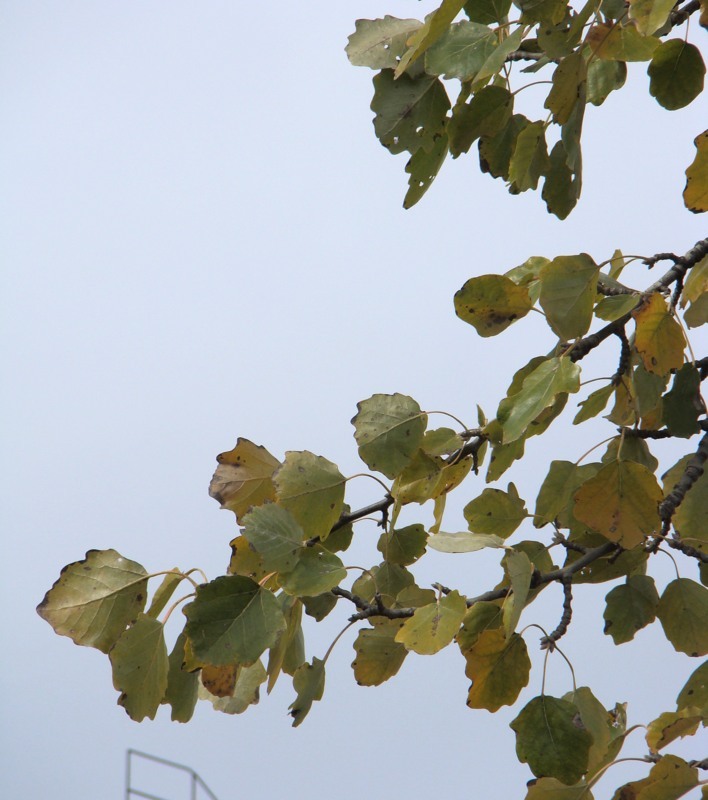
(669, 779)
(243, 478)
(245, 691)
(519, 570)
(568, 289)
(311, 488)
(498, 668)
(496, 512)
(659, 339)
(182, 686)
(621, 503)
(434, 626)
(379, 43)
(378, 655)
(94, 600)
(611, 41)
(309, 683)
(650, 15)
(435, 25)
(552, 789)
(570, 73)
(695, 195)
(463, 542)
(672, 725)
(490, 303)
(695, 692)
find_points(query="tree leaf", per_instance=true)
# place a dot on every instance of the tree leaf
(551, 789)
(182, 686)
(568, 289)
(630, 607)
(232, 620)
(385, 579)
(245, 692)
(423, 167)
(676, 74)
(658, 339)
(311, 488)
(378, 655)
(499, 669)
(275, 535)
(410, 112)
(519, 570)
(649, 15)
(245, 560)
(389, 429)
(695, 194)
(490, 303)
(461, 51)
(435, 25)
(593, 404)
(418, 481)
(612, 308)
(487, 12)
(495, 151)
(621, 503)
(243, 478)
(690, 519)
(615, 42)
(463, 542)
(604, 77)
(487, 113)
(164, 592)
(683, 613)
(309, 683)
(539, 390)
(683, 404)
(555, 497)
(496, 512)
(434, 626)
(599, 723)
(669, 779)
(317, 571)
(529, 160)
(551, 738)
(550, 12)
(379, 43)
(672, 725)
(292, 613)
(94, 600)
(140, 666)
(695, 692)
(219, 681)
(570, 73)
(403, 545)
(481, 616)
(560, 190)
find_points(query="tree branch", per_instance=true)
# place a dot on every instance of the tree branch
(680, 15)
(549, 642)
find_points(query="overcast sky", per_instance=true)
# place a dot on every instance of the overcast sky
(202, 239)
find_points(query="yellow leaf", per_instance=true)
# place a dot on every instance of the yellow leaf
(659, 339)
(695, 195)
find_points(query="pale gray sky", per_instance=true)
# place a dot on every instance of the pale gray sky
(202, 239)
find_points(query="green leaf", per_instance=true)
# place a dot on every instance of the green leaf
(676, 74)
(560, 190)
(495, 151)
(316, 571)
(630, 607)
(539, 390)
(658, 339)
(461, 51)
(487, 113)
(94, 600)
(423, 167)
(550, 12)
(604, 77)
(570, 73)
(388, 429)
(164, 592)
(496, 60)
(292, 613)
(311, 488)
(435, 25)
(245, 692)
(598, 722)
(378, 655)
(385, 579)
(551, 738)
(690, 519)
(593, 404)
(487, 12)
(490, 303)
(410, 112)
(232, 620)
(496, 512)
(480, 617)
(309, 683)
(695, 194)
(616, 42)
(403, 545)
(275, 535)
(568, 288)
(696, 283)
(621, 503)
(650, 15)
(503, 456)
(612, 308)
(669, 779)
(695, 692)
(140, 666)
(441, 442)
(319, 607)
(434, 626)
(379, 43)
(463, 542)
(683, 613)
(527, 275)
(519, 570)
(182, 686)
(672, 725)
(555, 497)
(243, 478)
(419, 480)
(530, 158)
(683, 404)
(499, 669)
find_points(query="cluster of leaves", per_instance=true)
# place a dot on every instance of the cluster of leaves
(581, 54)
(607, 518)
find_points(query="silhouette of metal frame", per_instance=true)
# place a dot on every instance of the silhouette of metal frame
(195, 781)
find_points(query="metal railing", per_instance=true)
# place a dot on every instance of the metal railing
(195, 782)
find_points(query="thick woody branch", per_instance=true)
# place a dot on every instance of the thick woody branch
(694, 470)
(549, 642)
